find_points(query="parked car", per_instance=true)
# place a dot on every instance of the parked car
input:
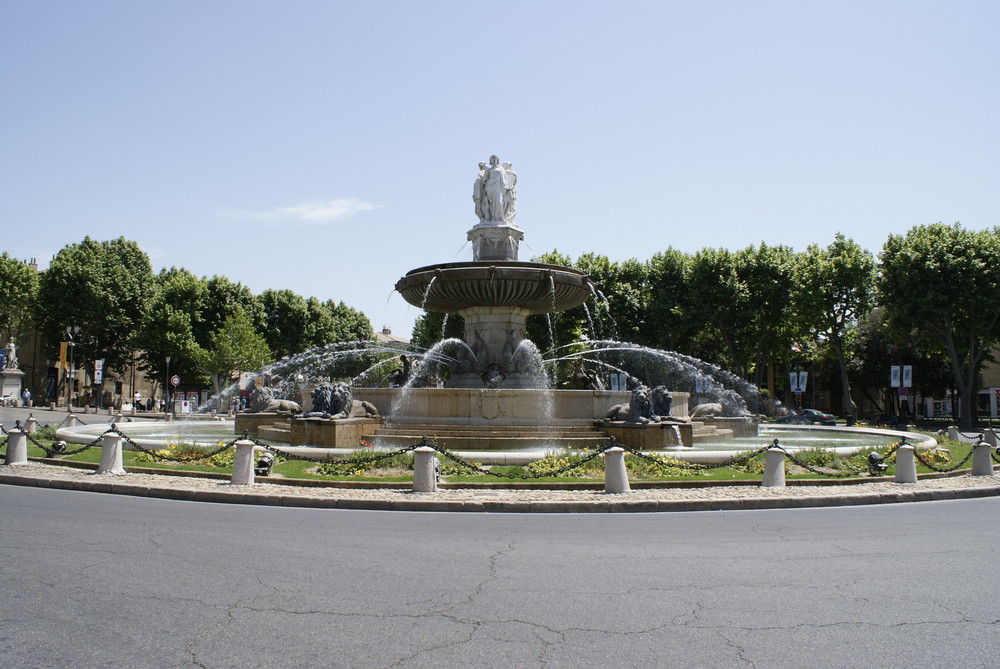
(808, 417)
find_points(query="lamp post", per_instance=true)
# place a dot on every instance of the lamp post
(71, 332)
(166, 387)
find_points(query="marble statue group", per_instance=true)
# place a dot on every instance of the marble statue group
(494, 192)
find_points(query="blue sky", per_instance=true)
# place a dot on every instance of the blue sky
(330, 147)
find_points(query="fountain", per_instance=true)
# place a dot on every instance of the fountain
(497, 404)
(497, 395)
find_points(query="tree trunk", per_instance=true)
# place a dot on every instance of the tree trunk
(845, 383)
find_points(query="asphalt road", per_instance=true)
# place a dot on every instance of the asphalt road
(90, 580)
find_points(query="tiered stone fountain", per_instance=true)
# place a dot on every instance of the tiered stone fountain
(497, 395)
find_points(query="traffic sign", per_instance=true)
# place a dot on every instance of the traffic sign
(175, 380)
(903, 391)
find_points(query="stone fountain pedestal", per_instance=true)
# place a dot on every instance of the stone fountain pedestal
(11, 382)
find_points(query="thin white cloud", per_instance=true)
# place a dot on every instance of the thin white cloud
(320, 212)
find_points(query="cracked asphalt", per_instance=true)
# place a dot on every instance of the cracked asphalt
(117, 581)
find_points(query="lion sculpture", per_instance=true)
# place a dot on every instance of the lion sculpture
(645, 406)
(262, 400)
(707, 410)
(334, 401)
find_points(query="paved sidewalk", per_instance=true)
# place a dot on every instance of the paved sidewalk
(477, 499)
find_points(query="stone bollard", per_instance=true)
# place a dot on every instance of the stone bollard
(71, 420)
(990, 437)
(52, 406)
(243, 463)
(214, 414)
(906, 465)
(135, 411)
(111, 411)
(111, 455)
(953, 433)
(119, 417)
(774, 469)
(31, 425)
(17, 448)
(425, 470)
(615, 471)
(982, 459)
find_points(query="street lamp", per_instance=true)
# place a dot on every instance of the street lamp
(166, 387)
(71, 332)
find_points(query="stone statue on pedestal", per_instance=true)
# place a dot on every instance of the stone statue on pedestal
(10, 359)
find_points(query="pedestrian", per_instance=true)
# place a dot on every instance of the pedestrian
(137, 401)
(26, 396)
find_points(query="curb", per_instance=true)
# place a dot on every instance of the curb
(422, 501)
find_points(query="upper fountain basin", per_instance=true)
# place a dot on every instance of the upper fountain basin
(538, 288)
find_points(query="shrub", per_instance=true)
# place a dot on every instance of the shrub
(360, 463)
(191, 454)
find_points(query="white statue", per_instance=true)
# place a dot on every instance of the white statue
(479, 192)
(510, 195)
(10, 360)
(497, 184)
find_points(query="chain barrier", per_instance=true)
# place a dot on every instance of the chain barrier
(924, 462)
(973, 437)
(836, 475)
(169, 458)
(366, 460)
(370, 460)
(63, 421)
(680, 464)
(554, 472)
(995, 454)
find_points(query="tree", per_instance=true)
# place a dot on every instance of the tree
(551, 331)
(834, 289)
(349, 324)
(431, 327)
(768, 273)
(19, 290)
(235, 346)
(945, 280)
(223, 298)
(170, 326)
(102, 287)
(286, 316)
(739, 308)
(667, 326)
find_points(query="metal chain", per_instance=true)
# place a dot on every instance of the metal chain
(974, 437)
(53, 452)
(747, 457)
(363, 460)
(168, 458)
(815, 470)
(837, 475)
(554, 472)
(919, 457)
